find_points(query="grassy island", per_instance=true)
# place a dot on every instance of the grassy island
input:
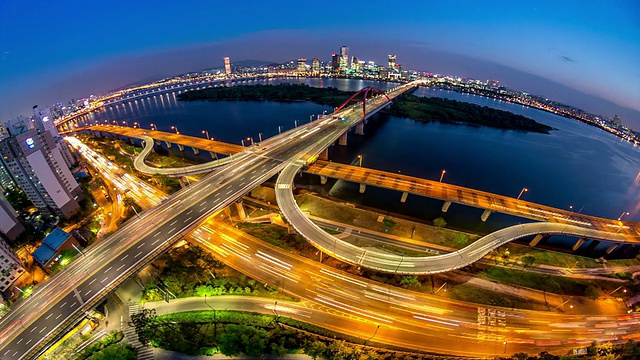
(410, 106)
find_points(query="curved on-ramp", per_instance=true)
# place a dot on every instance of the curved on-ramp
(393, 263)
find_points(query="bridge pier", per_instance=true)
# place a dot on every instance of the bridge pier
(611, 248)
(323, 179)
(213, 154)
(445, 207)
(181, 181)
(181, 147)
(168, 144)
(537, 239)
(578, 243)
(360, 128)
(485, 215)
(195, 150)
(363, 187)
(241, 213)
(324, 154)
(343, 139)
(403, 199)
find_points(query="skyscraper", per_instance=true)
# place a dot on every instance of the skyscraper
(335, 63)
(315, 66)
(9, 224)
(227, 66)
(302, 65)
(344, 53)
(10, 266)
(392, 63)
(44, 120)
(35, 163)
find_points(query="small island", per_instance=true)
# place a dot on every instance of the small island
(414, 107)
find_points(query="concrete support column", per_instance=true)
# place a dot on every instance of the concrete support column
(213, 155)
(323, 179)
(611, 248)
(195, 150)
(403, 198)
(578, 243)
(343, 139)
(181, 147)
(226, 211)
(536, 240)
(445, 206)
(485, 215)
(168, 144)
(182, 184)
(324, 155)
(241, 214)
(363, 187)
(360, 128)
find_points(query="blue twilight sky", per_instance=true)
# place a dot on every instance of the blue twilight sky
(585, 53)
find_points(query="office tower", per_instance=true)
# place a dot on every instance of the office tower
(335, 63)
(227, 66)
(315, 66)
(9, 224)
(392, 63)
(36, 164)
(44, 121)
(344, 54)
(10, 266)
(302, 65)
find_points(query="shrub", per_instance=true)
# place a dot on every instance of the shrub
(439, 222)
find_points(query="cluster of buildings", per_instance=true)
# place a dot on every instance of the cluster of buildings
(35, 160)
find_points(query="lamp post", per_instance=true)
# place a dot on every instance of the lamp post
(153, 127)
(505, 347)
(442, 174)
(311, 118)
(622, 215)
(207, 134)
(279, 129)
(524, 190)
(176, 129)
(250, 139)
(135, 124)
(295, 123)
(242, 141)
(260, 136)
(360, 160)
(125, 122)
(374, 334)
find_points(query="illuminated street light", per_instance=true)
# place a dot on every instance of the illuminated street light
(360, 160)
(442, 174)
(135, 124)
(176, 129)
(311, 118)
(524, 190)
(125, 122)
(206, 133)
(250, 139)
(622, 215)
(153, 127)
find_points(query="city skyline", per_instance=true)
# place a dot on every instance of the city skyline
(538, 51)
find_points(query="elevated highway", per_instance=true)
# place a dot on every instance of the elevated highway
(39, 319)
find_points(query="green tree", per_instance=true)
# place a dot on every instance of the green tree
(460, 239)
(592, 292)
(388, 223)
(315, 349)
(528, 261)
(439, 222)
(410, 281)
(116, 352)
(141, 322)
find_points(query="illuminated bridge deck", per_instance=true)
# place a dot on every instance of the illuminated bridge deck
(466, 196)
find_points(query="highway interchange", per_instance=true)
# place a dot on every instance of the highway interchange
(103, 267)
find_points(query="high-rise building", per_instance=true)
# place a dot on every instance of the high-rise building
(335, 63)
(344, 54)
(354, 65)
(9, 224)
(392, 63)
(302, 65)
(10, 266)
(36, 164)
(315, 66)
(44, 121)
(227, 66)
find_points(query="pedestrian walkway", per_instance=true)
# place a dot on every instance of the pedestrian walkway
(144, 352)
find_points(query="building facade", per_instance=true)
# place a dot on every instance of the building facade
(9, 224)
(10, 266)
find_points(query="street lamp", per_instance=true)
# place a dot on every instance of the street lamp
(153, 127)
(125, 122)
(311, 118)
(442, 174)
(135, 124)
(505, 347)
(250, 139)
(623, 214)
(242, 141)
(206, 133)
(260, 136)
(279, 129)
(524, 190)
(360, 160)
(176, 129)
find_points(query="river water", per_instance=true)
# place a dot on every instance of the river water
(576, 165)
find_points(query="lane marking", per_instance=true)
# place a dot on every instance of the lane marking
(118, 269)
(138, 254)
(124, 257)
(173, 222)
(141, 245)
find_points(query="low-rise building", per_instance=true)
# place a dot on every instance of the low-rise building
(52, 247)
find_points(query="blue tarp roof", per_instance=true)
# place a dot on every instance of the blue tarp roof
(50, 246)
